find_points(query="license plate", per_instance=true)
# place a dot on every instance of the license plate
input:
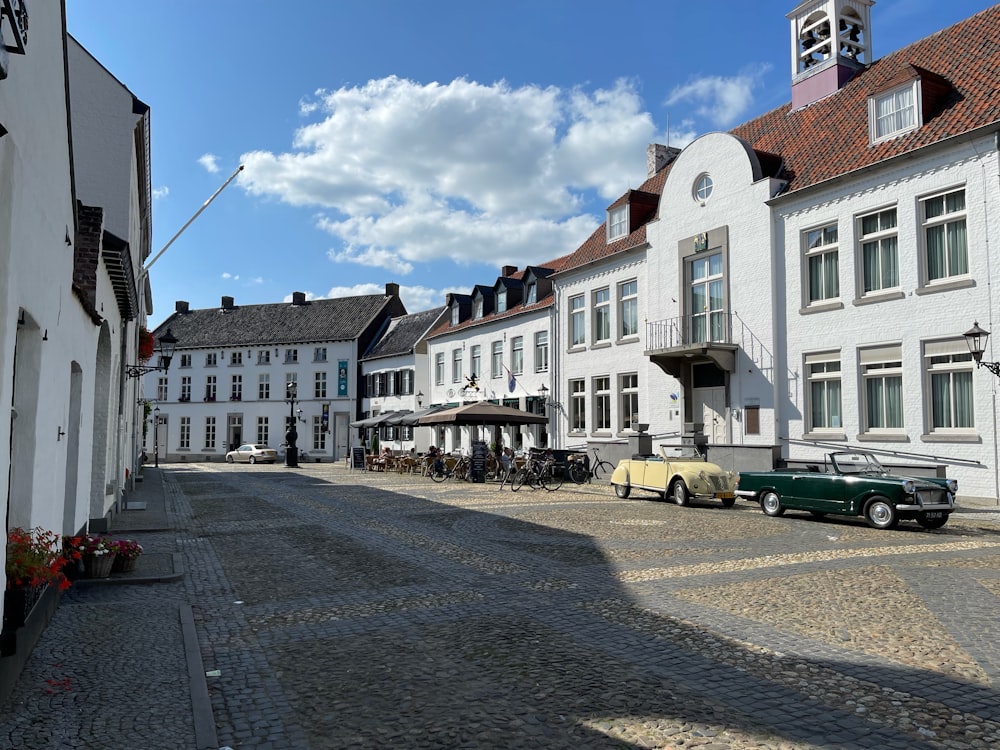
(933, 514)
(725, 495)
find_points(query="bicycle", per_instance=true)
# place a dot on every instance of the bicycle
(581, 470)
(538, 471)
(458, 470)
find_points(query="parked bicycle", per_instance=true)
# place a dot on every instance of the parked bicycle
(540, 470)
(443, 469)
(582, 470)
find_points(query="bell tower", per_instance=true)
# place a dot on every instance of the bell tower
(830, 44)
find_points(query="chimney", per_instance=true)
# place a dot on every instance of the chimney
(658, 156)
(227, 303)
(508, 271)
(391, 289)
(181, 307)
(298, 298)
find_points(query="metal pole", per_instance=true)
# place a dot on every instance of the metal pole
(145, 268)
(156, 438)
(291, 451)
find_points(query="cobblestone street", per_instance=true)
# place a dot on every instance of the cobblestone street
(369, 610)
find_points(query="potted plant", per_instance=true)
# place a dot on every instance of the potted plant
(98, 555)
(127, 552)
(34, 562)
(146, 345)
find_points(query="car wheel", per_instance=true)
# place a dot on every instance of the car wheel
(229, 459)
(770, 503)
(881, 514)
(680, 493)
(622, 490)
(253, 460)
(728, 502)
(932, 523)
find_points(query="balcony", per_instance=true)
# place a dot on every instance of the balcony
(673, 343)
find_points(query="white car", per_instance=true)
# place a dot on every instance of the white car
(252, 454)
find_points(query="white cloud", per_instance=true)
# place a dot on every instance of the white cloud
(210, 162)
(162, 192)
(226, 275)
(409, 173)
(724, 101)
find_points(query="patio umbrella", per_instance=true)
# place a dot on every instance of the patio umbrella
(413, 418)
(396, 418)
(482, 413)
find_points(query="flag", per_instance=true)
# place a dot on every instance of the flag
(512, 383)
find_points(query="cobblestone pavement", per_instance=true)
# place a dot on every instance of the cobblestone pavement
(358, 610)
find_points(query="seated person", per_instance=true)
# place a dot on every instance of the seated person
(437, 464)
(507, 459)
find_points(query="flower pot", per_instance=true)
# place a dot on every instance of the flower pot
(17, 603)
(124, 564)
(98, 566)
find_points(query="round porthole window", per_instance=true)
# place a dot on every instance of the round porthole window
(702, 188)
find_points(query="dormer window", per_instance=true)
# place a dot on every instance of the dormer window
(477, 308)
(502, 300)
(617, 222)
(454, 314)
(531, 293)
(894, 113)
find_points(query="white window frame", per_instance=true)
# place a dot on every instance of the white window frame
(530, 293)
(577, 320)
(236, 388)
(475, 360)
(628, 309)
(601, 300)
(502, 300)
(456, 366)
(263, 431)
(882, 364)
(184, 434)
(899, 117)
(602, 403)
(824, 369)
(541, 351)
(617, 222)
(477, 308)
(455, 312)
(319, 384)
(883, 239)
(496, 359)
(949, 359)
(439, 368)
(264, 386)
(236, 359)
(945, 219)
(821, 244)
(628, 399)
(210, 433)
(577, 389)
(319, 354)
(517, 355)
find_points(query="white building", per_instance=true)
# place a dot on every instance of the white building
(228, 382)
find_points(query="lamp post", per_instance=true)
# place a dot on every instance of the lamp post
(156, 437)
(543, 393)
(420, 399)
(291, 451)
(976, 338)
(168, 343)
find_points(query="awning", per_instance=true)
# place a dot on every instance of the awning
(377, 420)
(413, 418)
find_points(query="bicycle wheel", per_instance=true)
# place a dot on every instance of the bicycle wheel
(439, 475)
(551, 477)
(521, 477)
(603, 470)
(578, 472)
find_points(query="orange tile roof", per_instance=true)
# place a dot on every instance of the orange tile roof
(829, 138)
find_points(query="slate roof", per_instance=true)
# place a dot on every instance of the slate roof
(829, 138)
(404, 334)
(343, 319)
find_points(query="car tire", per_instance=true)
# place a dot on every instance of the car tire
(770, 503)
(229, 459)
(622, 490)
(252, 460)
(880, 514)
(679, 492)
(932, 523)
(728, 502)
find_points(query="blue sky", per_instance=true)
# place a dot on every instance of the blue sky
(425, 143)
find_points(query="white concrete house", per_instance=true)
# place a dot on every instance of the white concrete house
(395, 375)
(229, 380)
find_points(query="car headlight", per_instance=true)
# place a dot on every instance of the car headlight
(702, 475)
(909, 487)
(952, 485)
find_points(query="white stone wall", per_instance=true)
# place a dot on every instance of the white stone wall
(276, 408)
(910, 318)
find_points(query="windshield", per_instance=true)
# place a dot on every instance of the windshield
(857, 463)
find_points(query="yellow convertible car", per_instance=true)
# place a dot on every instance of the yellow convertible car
(681, 474)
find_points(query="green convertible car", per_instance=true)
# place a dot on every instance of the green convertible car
(853, 484)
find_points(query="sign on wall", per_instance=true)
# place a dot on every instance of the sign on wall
(342, 377)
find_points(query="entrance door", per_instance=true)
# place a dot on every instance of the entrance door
(710, 405)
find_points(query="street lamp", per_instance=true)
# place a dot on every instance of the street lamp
(291, 451)
(976, 338)
(168, 343)
(543, 393)
(156, 437)
(420, 399)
